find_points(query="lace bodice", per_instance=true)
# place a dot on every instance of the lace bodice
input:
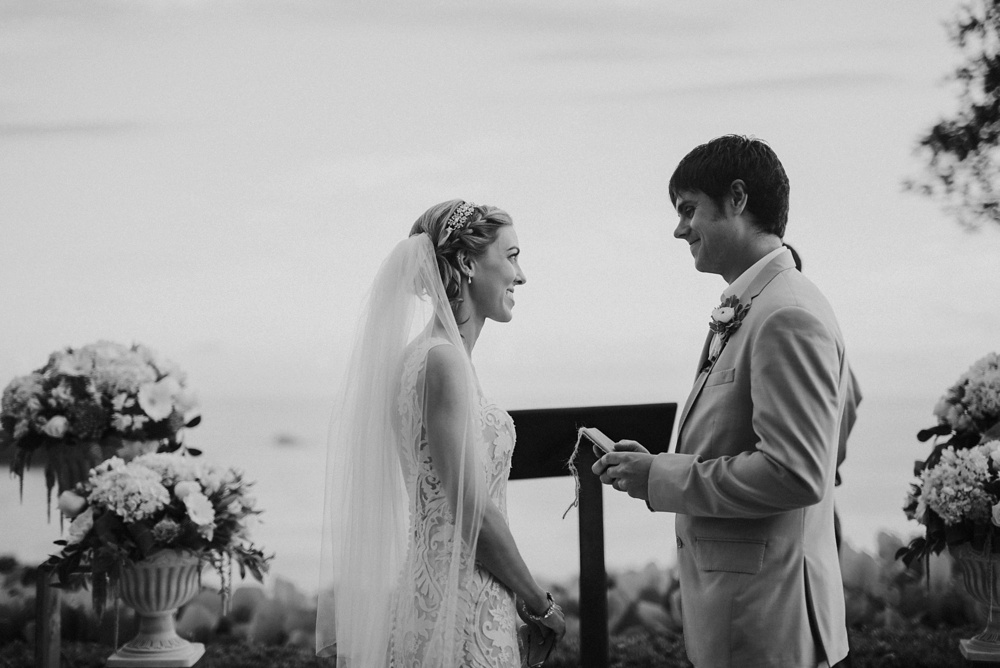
(490, 633)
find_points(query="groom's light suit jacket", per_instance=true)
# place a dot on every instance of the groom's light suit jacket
(752, 482)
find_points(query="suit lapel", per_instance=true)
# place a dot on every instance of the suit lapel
(780, 263)
(699, 380)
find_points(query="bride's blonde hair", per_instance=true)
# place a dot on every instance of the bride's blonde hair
(459, 230)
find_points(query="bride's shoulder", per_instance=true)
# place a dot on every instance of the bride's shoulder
(431, 350)
(443, 357)
(446, 369)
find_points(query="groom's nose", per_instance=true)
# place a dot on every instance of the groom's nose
(682, 229)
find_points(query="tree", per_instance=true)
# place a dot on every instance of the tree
(963, 151)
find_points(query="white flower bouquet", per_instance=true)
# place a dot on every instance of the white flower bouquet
(972, 404)
(126, 511)
(957, 494)
(101, 399)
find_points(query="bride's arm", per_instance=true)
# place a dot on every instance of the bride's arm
(446, 408)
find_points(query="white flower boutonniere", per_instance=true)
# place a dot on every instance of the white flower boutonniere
(727, 317)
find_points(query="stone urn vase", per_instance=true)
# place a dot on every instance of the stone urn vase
(981, 574)
(155, 587)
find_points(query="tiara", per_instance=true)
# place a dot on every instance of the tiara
(459, 218)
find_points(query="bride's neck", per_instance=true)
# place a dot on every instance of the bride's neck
(470, 330)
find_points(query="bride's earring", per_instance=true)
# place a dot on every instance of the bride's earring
(470, 279)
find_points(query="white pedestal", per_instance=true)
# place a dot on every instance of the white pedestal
(977, 650)
(179, 657)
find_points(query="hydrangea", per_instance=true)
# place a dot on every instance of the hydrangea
(973, 402)
(122, 376)
(170, 468)
(131, 491)
(21, 395)
(954, 489)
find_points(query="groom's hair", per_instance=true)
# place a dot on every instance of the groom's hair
(712, 167)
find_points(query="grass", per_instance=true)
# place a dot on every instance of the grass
(870, 648)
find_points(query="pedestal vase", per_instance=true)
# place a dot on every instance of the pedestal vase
(981, 574)
(155, 588)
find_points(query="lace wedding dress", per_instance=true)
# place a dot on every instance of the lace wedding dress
(490, 630)
(399, 583)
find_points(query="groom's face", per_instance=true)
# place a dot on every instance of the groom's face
(712, 235)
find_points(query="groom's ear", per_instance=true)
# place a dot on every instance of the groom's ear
(737, 196)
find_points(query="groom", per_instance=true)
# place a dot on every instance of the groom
(753, 473)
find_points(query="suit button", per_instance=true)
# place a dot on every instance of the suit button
(680, 543)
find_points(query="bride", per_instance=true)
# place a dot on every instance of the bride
(419, 565)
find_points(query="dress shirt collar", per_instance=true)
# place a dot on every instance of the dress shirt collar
(739, 286)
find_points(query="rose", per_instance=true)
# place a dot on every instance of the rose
(199, 509)
(71, 503)
(80, 526)
(157, 399)
(166, 530)
(56, 426)
(186, 488)
(723, 314)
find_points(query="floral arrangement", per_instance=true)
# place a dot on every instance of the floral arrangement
(127, 511)
(957, 494)
(103, 393)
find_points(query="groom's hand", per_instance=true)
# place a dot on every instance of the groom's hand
(626, 469)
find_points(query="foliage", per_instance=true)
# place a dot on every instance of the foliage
(125, 512)
(870, 648)
(907, 623)
(957, 494)
(962, 154)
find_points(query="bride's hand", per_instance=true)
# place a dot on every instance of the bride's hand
(550, 621)
(555, 623)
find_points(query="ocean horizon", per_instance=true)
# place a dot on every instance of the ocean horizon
(280, 443)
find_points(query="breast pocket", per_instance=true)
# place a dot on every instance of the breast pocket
(720, 376)
(729, 555)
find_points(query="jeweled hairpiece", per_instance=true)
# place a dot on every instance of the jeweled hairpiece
(459, 218)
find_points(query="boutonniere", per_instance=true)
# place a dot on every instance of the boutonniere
(727, 317)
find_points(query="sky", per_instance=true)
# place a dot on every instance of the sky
(219, 180)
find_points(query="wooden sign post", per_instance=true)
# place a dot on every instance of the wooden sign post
(545, 440)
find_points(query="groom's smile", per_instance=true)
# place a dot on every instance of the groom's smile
(715, 233)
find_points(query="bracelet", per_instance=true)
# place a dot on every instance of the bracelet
(549, 611)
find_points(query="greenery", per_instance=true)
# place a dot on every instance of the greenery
(897, 616)
(963, 164)
(919, 648)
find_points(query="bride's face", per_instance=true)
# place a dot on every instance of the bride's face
(495, 274)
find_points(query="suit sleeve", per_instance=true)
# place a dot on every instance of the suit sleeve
(794, 381)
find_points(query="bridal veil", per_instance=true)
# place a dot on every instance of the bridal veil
(366, 508)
